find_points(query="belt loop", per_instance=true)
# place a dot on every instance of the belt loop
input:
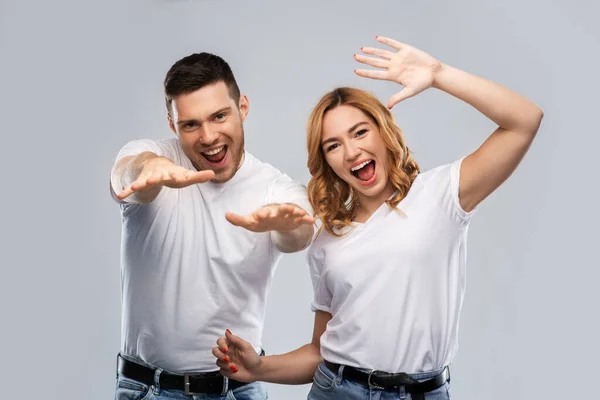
(157, 380)
(402, 392)
(225, 386)
(340, 374)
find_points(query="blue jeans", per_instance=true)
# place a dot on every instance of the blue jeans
(129, 389)
(328, 385)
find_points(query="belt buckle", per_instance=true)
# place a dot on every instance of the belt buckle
(186, 385)
(371, 384)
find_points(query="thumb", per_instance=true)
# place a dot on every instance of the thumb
(401, 95)
(235, 219)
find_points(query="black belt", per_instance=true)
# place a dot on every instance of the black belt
(385, 380)
(209, 382)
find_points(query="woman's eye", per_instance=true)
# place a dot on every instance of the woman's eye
(333, 146)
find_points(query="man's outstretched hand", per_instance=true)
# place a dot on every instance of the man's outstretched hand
(273, 217)
(158, 172)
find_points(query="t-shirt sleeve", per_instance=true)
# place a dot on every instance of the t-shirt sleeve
(161, 148)
(443, 184)
(322, 295)
(287, 190)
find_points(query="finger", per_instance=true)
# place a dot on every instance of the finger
(140, 184)
(402, 95)
(216, 351)
(240, 220)
(223, 344)
(225, 366)
(372, 74)
(372, 61)
(286, 208)
(307, 219)
(155, 178)
(299, 212)
(200, 176)
(391, 42)
(374, 51)
(263, 214)
(236, 340)
(128, 191)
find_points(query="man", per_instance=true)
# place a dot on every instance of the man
(204, 225)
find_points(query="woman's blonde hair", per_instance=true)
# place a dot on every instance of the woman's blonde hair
(331, 197)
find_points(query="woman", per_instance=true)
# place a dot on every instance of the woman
(388, 264)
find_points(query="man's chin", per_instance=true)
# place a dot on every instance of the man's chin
(223, 175)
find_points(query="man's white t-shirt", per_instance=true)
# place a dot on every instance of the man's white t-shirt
(187, 273)
(395, 284)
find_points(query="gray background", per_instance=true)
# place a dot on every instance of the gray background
(79, 79)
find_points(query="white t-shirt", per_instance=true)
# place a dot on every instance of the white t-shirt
(394, 285)
(187, 274)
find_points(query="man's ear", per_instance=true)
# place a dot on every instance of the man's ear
(244, 106)
(172, 124)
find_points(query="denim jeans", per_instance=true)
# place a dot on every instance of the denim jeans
(328, 385)
(129, 389)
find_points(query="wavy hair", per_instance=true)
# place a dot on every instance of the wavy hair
(332, 198)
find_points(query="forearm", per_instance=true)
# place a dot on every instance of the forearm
(508, 109)
(294, 368)
(296, 240)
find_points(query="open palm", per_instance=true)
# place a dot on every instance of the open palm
(412, 68)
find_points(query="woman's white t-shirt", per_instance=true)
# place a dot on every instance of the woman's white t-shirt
(395, 284)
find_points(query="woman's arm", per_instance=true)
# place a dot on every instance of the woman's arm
(518, 119)
(238, 360)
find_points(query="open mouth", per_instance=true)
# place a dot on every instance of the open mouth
(364, 172)
(215, 156)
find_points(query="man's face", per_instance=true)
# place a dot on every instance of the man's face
(209, 124)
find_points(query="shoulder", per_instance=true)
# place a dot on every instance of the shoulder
(440, 174)
(441, 184)
(167, 147)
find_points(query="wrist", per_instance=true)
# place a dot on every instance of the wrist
(440, 73)
(259, 372)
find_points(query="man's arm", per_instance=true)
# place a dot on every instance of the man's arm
(290, 225)
(140, 178)
(297, 239)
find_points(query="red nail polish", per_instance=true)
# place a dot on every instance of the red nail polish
(228, 331)
(224, 349)
(226, 359)
(233, 368)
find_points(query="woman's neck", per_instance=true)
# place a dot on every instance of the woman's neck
(367, 205)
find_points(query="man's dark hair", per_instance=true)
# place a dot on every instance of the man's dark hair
(196, 71)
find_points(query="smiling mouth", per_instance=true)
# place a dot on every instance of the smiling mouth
(364, 171)
(216, 155)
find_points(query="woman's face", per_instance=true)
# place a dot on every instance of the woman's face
(354, 149)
